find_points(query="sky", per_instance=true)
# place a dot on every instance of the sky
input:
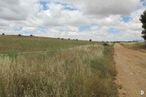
(99, 20)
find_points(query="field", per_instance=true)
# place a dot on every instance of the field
(9, 44)
(46, 67)
(140, 46)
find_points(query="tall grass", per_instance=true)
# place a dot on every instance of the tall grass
(85, 71)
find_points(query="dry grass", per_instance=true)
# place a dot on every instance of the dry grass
(85, 71)
(136, 46)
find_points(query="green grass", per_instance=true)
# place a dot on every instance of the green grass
(10, 44)
(81, 69)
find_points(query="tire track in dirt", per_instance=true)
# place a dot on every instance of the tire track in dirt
(131, 68)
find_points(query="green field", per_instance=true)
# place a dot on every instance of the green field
(47, 67)
(32, 44)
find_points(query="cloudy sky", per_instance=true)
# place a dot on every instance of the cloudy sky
(82, 19)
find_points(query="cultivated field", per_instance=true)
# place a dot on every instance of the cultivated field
(140, 46)
(16, 44)
(45, 67)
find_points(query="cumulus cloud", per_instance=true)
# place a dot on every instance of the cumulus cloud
(106, 7)
(16, 9)
(64, 18)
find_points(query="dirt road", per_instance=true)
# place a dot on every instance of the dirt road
(131, 68)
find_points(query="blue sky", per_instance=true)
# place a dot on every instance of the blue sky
(44, 5)
(82, 19)
(126, 18)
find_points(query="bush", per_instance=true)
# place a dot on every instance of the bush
(3, 33)
(31, 35)
(90, 40)
(19, 34)
(105, 44)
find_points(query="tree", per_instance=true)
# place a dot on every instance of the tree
(143, 21)
(19, 34)
(90, 40)
(3, 33)
(31, 35)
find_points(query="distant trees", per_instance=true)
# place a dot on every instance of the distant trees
(143, 21)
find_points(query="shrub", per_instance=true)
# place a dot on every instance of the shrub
(19, 34)
(3, 33)
(90, 40)
(105, 44)
(31, 35)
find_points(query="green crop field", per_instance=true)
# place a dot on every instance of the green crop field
(47, 67)
(32, 44)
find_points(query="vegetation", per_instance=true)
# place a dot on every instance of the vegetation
(82, 71)
(135, 45)
(19, 34)
(9, 44)
(31, 35)
(3, 33)
(143, 21)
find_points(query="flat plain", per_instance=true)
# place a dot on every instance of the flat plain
(47, 67)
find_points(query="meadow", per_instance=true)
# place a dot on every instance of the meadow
(9, 44)
(140, 46)
(46, 67)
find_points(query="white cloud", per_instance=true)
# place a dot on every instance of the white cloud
(26, 17)
(16, 9)
(106, 7)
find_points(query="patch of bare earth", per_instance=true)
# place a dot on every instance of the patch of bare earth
(131, 68)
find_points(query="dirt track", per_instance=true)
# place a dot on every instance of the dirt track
(131, 68)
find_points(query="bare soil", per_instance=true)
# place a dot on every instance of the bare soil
(131, 68)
